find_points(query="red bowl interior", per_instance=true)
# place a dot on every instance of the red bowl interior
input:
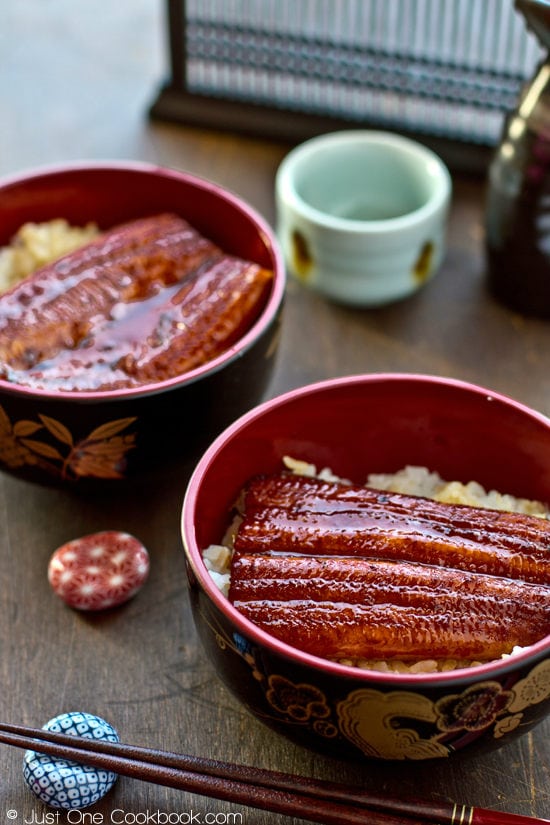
(108, 193)
(363, 424)
(378, 423)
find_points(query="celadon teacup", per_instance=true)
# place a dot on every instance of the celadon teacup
(361, 215)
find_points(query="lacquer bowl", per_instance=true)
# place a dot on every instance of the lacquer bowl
(73, 438)
(358, 425)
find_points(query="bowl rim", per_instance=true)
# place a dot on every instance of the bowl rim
(289, 196)
(211, 367)
(192, 551)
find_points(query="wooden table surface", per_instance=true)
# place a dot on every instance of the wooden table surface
(77, 84)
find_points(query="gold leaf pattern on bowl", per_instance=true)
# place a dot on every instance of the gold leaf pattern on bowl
(101, 454)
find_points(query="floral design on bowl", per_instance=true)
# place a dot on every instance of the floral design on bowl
(356, 425)
(74, 437)
(393, 725)
(101, 454)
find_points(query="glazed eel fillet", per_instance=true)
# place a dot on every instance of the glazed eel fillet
(146, 300)
(345, 571)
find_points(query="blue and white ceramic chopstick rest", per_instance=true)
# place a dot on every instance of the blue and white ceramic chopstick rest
(65, 784)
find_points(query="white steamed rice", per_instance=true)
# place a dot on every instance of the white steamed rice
(37, 244)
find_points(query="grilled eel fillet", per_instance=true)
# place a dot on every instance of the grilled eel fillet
(287, 512)
(352, 607)
(345, 571)
(144, 301)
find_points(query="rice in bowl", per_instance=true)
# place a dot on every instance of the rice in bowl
(37, 244)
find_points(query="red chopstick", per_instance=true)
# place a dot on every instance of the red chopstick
(311, 799)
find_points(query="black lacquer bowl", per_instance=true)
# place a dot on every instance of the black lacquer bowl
(82, 437)
(357, 425)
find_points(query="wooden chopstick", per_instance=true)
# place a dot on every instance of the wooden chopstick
(142, 764)
(311, 799)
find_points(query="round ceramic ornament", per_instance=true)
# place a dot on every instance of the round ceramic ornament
(62, 783)
(99, 571)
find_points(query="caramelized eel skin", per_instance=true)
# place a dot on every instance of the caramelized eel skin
(344, 571)
(287, 512)
(145, 301)
(367, 608)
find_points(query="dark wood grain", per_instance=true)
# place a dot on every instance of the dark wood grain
(76, 83)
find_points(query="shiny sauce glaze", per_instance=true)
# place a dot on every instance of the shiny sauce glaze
(145, 301)
(345, 571)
